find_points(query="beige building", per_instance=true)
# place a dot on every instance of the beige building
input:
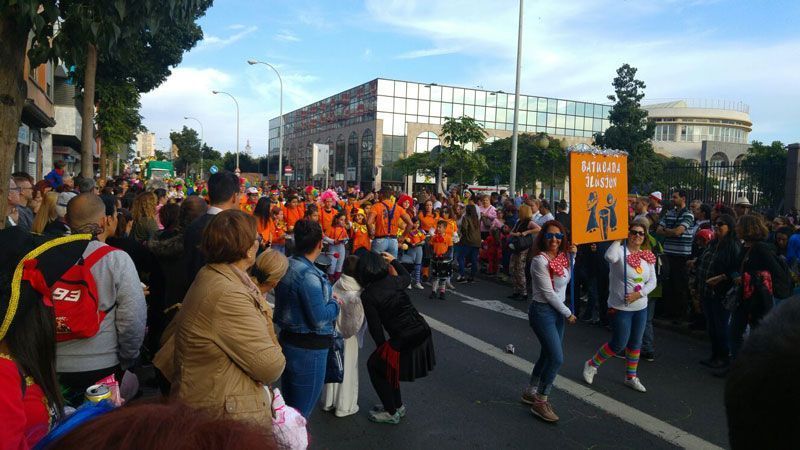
(145, 145)
(701, 130)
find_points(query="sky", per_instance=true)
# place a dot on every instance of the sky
(745, 51)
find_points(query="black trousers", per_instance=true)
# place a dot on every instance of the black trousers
(390, 397)
(75, 383)
(676, 287)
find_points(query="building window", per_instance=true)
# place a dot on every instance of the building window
(352, 156)
(425, 142)
(338, 162)
(367, 155)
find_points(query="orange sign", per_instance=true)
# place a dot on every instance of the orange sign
(598, 187)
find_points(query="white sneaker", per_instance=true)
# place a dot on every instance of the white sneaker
(450, 285)
(409, 286)
(419, 286)
(635, 384)
(589, 371)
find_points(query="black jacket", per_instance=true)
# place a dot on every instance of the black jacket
(195, 259)
(388, 307)
(727, 261)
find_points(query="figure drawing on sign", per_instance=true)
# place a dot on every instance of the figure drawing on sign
(591, 205)
(612, 211)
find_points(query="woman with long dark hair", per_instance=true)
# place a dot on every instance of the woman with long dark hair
(263, 215)
(30, 397)
(408, 353)
(717, 267)
(550, 271)
(469, 230)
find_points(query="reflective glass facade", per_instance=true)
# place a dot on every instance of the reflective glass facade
(396, 104)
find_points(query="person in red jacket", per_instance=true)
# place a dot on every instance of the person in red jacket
(491, 251)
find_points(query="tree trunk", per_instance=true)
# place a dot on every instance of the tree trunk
(87, 114)
(13, 91)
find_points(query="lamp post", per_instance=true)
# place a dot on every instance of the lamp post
(202, 141)
(280, 130)
(237, 125)
(512, 185)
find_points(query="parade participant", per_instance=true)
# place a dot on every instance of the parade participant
(343, 397)
(468, 245)
(263, 222)
(224, 344)
(407, 203)
(250, 200)
(359, 235)
(293, 211)
(413, 240)
(305, 311)
(327, 213)
(547, 313)
(30, 396)
(632, 278)
(337, 239)
(441, 262)
(383, 222)
(278, 226)
(145, 226)
(428, 218)
(408, 353)
(312, 213)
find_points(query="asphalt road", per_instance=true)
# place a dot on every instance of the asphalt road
(471, 399)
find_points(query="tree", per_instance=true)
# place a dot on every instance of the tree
(118, 121)
(454, 156)
(413, 163)
(189, 148)
(765, 166)
(540, 158)
(630, 130)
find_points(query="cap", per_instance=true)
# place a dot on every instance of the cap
(656, 195)
(705, 235)
(252, 190)
(742, 201)
(62, 201)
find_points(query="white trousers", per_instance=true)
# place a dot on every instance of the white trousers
(344, 396)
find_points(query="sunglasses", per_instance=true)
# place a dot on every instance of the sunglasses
(554, 236)
(636, 233)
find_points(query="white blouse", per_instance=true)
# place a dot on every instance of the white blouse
(549, 290)
(619, 270)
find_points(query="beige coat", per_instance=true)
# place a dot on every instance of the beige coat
(225, 348)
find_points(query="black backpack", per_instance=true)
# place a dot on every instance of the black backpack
(782, 284)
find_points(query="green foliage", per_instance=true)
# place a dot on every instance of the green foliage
(36, 17)
(455, 158)
(414, 163)
(118, 120)
(539, 158)
(630, 130)
(765, 167)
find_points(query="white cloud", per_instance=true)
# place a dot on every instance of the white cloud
(286, 36)
(237, 26)
(572, 50)
(367, 53)
(211, 41)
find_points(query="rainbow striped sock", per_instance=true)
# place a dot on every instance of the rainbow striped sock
(632, 365)
(603, 353)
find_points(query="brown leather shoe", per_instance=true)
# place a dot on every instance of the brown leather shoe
(544, 411)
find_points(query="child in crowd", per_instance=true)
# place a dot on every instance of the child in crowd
(337, 239)
(441, 261)
(413, 240)
(359, 235)
(491, 251)
(278, 229)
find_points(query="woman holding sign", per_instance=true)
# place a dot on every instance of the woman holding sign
(632, 277)
(550, 271)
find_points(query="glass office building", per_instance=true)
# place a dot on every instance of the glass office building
(371, 125)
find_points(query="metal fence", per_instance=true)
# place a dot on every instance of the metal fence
(714, 182)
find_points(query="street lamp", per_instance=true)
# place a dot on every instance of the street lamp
(280, 135)
(237, 125)
(202, 141)
(512, 185)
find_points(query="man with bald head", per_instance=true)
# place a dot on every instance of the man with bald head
(80, 363)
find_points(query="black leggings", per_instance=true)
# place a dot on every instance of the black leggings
(390, 397)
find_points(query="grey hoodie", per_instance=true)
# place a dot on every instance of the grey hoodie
(122, 331)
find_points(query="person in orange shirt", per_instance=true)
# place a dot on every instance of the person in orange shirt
(413, 240)
(292, 212)
(327, 212)
(248, 202)
(359, 235)
(337, 239)
(450, 234)
(383, 221)
(263, 222)
(278, 226)
(441, 261)
(428, 218)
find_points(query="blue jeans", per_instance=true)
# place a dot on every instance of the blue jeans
(627, 329)
(467, 252)
(303, 377)
(648, 340)
(548, 324)
(717, 318)
(387, 245)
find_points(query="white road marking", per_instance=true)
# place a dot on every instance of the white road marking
(493, 305)
(616, 408)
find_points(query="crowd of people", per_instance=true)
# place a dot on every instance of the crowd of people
(180, 275)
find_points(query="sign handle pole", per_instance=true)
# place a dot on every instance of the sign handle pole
(572, 283)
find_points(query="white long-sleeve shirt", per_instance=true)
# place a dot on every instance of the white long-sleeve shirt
(615, 255)
(549, 290)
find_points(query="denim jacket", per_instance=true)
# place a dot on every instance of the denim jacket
(303, 301)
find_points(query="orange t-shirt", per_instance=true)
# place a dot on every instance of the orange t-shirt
(382, 226)
(439, 245)
(452, 228)
(360, 237)
(292, 215)
(338, 233)
(265, 230)
(426, 223)
(326, 220)
(414, 237)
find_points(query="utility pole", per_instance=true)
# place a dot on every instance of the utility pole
(515, 132)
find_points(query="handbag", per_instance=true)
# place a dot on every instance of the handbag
(334, 371)
(520, 243)
(288, 425)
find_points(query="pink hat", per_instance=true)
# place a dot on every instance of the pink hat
(705, 235)
(252, 190)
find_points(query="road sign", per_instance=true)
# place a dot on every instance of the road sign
(213, 169)
(287, 169)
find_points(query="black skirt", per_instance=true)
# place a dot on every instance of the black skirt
(418, 361)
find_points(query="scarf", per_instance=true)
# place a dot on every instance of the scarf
(635, 259)
(392, 359)
(559, 264)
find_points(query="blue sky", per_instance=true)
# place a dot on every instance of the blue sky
(708, 49)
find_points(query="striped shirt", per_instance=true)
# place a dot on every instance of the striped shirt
(681, 245)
